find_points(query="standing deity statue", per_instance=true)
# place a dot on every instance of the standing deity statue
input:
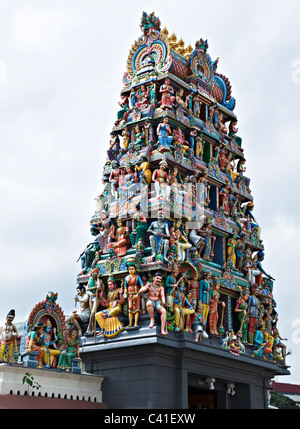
(199, 325)
(241, 309)
(8, 335)
(132, 284)
(164, 134)
(205, 292)
(95, 289)
(231, 243)
(213, 308)
(253, 313)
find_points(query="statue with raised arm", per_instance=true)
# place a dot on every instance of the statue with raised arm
(77, 317)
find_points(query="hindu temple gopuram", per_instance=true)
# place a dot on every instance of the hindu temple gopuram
(175, 308)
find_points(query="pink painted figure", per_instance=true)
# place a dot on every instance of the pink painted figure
(156, 301)
(168, 97)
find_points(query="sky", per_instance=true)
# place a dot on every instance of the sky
(61, 69)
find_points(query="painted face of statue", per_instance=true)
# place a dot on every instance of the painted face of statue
(111, 285)
(157, 280)
(47, 329)
(9, 319)
(132, 270)
(160, 216)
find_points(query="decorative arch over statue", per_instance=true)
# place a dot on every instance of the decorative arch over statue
(46, 311)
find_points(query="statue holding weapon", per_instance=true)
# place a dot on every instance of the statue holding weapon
(159, 239)
(95, 289)
(86, 256)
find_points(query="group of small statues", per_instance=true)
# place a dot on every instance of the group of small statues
(177, 302)
(50, 351)
(174, 174)
(258, 328)
(159, 212)
(49, 348)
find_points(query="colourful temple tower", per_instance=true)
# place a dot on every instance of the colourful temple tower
(176, 309)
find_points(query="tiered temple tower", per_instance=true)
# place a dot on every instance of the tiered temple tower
(175, 221)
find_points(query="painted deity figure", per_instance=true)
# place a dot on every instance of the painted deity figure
(193, 287)
(71, 351)
(114, 178)
(213, 308)
(189, 316)
(144, 172)
(49, 343)
(164, 134)
(177, 191)
(182, 243)
(253, 313)
(95, 289)
(156, 301)
(139, 227)
(167, 94)
(124, 104)
(34, 343)
(223, 197)
(199, 325)
(204, 293)
(8, 335)
(263, 342)
(180, 101)
(199, 146)
(209, 241)
(139, 139)
(181, 144)
(203, 189)
(240, 251)
(131, 182)
(170, 285)
(143, 97)
(126, 136)
(159, 238)
(160, 178)
(122, 239)
(88, 254)
(241, 309)
(114, 146)
(77, 317)
(231, 243)
(107, 319)
(132, 285)
(181, 307)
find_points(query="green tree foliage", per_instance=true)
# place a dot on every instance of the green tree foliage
(282, 402)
